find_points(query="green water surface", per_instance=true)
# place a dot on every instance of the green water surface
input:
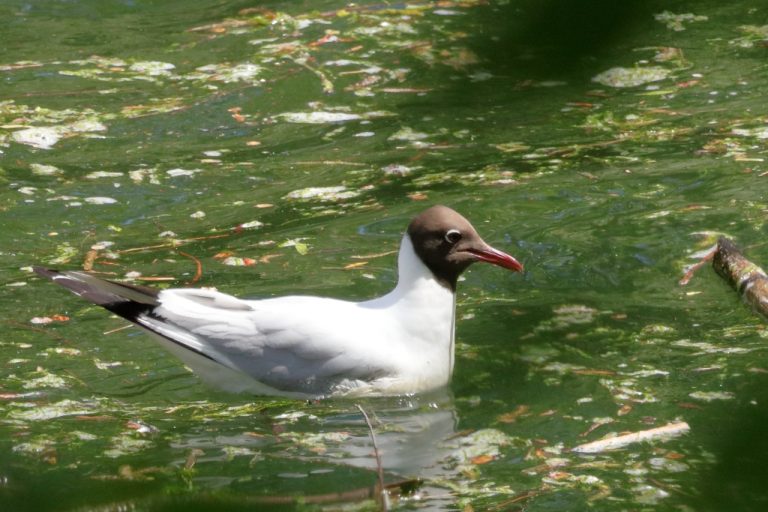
(284, 146)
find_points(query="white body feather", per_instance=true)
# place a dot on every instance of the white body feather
(308, 346)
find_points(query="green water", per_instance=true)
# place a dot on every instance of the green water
(285, 146)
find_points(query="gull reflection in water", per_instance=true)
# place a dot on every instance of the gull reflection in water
(416, 438)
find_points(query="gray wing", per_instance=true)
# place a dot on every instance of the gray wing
(289, 343)
(264, 340)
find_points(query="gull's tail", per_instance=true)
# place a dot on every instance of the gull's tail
(126, 300)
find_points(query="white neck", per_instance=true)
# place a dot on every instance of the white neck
(424, 307)
(415, 281)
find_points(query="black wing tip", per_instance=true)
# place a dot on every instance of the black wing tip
(88, 281)
(104, 293)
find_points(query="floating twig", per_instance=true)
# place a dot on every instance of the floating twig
(192, 457)
(668, 431)
(691, 269)
(118, 329)
(198, 267)
(172, 243)
(504, 505)
(372, 256)
(330, 162)
(325, 82)
(146, 248)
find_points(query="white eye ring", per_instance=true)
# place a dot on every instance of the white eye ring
(452, 236)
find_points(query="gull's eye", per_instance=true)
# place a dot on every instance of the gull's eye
(453, 236)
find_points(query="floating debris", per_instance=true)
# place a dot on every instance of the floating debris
(45, 137)
(36, 447)
(321, 117)
(235, 261)
(62, 254)
(710, 396)
(126, 444)
(567, 316)
(100, 200)
(173, 173)
(46, 380)
(56, 410)
(226, 73)
(709, 348)
(152, 68)
(675, 21)
(408, 134)
(397, 170)
(103, 174)
(298, 244)
(631, 77)
(27, 191)
(759, 133)
(330, 194)
(45, 170)
(512, 147)
(43, 320)
(38, 137)
(478, 447)
(753, 35)
(294, 416)
(254, 224)
(668, 465)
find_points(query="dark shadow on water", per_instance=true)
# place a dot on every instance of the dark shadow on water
(551, 39)
(739, 442)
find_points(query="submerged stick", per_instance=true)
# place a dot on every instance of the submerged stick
(747, 278)
(384, 496)
(670, 430)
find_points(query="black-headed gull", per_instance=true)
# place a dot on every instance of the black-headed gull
(400, 343)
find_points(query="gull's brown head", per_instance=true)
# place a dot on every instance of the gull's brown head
(447, 244)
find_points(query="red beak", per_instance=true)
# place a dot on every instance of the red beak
(497, 257)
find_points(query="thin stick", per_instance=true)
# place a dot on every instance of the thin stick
(198, 267)
(326, 84)
(329, 162)
(379, 468)
(517, 499)
(118, 329)
(668, 431)
(145, 248)
(696, 266)
(173, 243)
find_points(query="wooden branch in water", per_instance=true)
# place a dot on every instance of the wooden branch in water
(746, 277)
